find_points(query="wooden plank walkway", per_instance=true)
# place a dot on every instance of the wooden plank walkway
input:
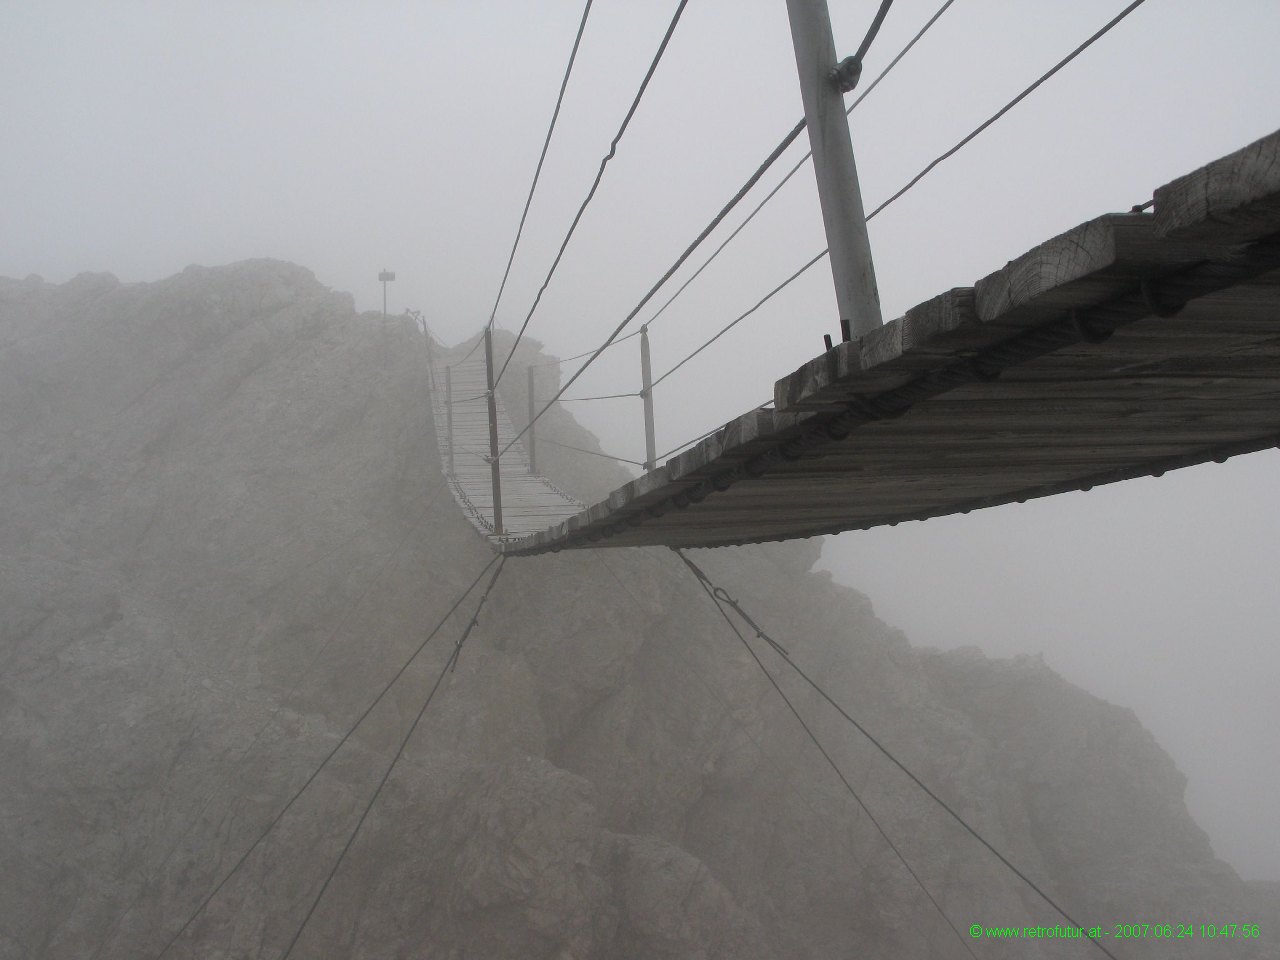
(529, 502)
(1134, 344)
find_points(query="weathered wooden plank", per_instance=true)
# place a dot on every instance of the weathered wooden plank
(1233, 200)
(1094, 262)
(1085, 266)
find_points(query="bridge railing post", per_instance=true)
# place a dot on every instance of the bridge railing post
(533, 433)
(840, 196)
(495, 473)
(448, 412)
(646, 394)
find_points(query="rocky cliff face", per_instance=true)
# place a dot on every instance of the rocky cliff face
(223, 527)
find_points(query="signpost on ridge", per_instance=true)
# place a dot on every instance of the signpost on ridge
(385, 276)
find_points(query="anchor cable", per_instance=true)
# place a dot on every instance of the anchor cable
(323, 763)
(710, 586)
(404, 742)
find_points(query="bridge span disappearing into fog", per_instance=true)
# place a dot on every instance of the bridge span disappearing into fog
(1134, 344)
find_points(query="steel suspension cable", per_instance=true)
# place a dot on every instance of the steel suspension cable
(872, 30)
(923, 173)
(715, 593)
(800, 163)
(613, 149)
(688, 252)
(742, 316)
(1013, 103)
(404, 742)
(708, 584)
(555, 115)
(777, 187)
(323, 763)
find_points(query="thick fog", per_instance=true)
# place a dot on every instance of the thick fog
(143, 137)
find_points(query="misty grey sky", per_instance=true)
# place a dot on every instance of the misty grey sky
(142, 137)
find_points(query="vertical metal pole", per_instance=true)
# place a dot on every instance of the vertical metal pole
(842, 212)
(431, 355)
(646, 394)
(384, 299)
(448, 407)
(533, 433)
(495, 474)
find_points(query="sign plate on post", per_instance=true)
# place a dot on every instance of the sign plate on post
(386, 275)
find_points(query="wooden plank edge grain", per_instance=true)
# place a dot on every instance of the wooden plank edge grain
(1235, 199)
(1087, 265)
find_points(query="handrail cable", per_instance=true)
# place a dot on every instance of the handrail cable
(555, 115)
(720, 594)
(449, 665)
(613, 149)
(742, 316)
(921, 175)
(584, 353)
(703, 436)
(717, 594)
(593, 453)
(607, 396)
(688, 251)
(329, 756)
(467, 356)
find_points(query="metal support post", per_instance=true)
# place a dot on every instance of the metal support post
(495, 474)
(842, 213)
(448, 411)
(532, 435)
(385, 276)
(646, 394)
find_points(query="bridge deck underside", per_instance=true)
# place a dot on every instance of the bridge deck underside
(1053, 374)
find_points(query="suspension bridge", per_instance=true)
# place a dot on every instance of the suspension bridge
(1134, 344)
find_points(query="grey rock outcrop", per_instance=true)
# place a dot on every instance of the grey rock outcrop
(223, 527)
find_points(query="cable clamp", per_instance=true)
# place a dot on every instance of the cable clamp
(847, 73)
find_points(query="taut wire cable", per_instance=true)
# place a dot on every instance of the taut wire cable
(404, 742)
(564, 83)
(329, 756)
(710, 586)
(719, 597)
(613, 149)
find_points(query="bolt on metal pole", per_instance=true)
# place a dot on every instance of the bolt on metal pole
(448, 407)
(533, 433)
(495, 474)
(843, 216)
(646, 394)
